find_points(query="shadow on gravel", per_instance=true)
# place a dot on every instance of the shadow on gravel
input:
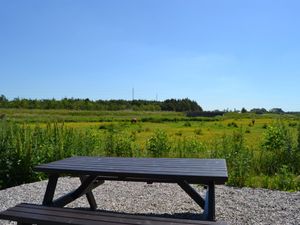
(186, 215)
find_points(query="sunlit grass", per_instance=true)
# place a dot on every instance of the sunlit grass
(113, 134)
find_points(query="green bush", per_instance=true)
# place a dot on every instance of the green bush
(123, 146)
(279, 149)
(232, 124)
(116, 143)
(285, 180)
(293, 124)
(187, 124)
(178, 133)
(189, 148)
(198, 131)
(238, 157)
(298, 138)
(158, 144)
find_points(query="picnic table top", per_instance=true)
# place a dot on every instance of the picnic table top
(188, 169)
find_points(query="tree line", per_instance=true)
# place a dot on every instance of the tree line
(178, 105)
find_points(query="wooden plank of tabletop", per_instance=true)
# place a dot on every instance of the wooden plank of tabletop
(192, 170)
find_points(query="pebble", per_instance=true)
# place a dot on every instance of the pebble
(236, 206)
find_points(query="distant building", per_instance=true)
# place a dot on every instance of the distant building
(276, 110)
(205, 114)
(258, 110)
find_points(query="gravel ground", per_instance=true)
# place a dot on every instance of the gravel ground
(233, 205)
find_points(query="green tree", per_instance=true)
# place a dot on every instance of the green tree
(243, 110)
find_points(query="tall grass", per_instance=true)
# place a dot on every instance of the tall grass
(238, 156)
(116, 143)
(275, 165)
(22, 147)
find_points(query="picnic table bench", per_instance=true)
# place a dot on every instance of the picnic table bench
(93, 171)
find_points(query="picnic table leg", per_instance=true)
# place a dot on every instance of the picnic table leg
(73, 195)
(89, 195)
(49, 194)
(209, 208)
(89, 183)
(192, 193)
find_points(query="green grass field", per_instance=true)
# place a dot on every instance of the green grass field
(173, 123)
(260, 149)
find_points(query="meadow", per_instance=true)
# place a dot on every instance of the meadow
(260, 150)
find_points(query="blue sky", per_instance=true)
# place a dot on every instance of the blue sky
(223, 54)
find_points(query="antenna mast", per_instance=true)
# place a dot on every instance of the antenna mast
(132, 94)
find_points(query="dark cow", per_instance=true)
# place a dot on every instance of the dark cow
(133, 120)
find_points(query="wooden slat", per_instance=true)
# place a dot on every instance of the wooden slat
(30, 213)
(192, 170)
(133, 170)
(144, 161)
(115, 165)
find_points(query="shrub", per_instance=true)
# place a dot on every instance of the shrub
(238, 157)
(285, 180)
(292, 124)
(123, 146)
(187, 124)
(102, 127)
(118, 144)
(278, 149)
(298, 138)
(158, 144)
(178, 133)
(198, 131)
(189, 148)
(139, 128)
(232, 124)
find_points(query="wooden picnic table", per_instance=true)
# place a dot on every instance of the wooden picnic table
(93, 171)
